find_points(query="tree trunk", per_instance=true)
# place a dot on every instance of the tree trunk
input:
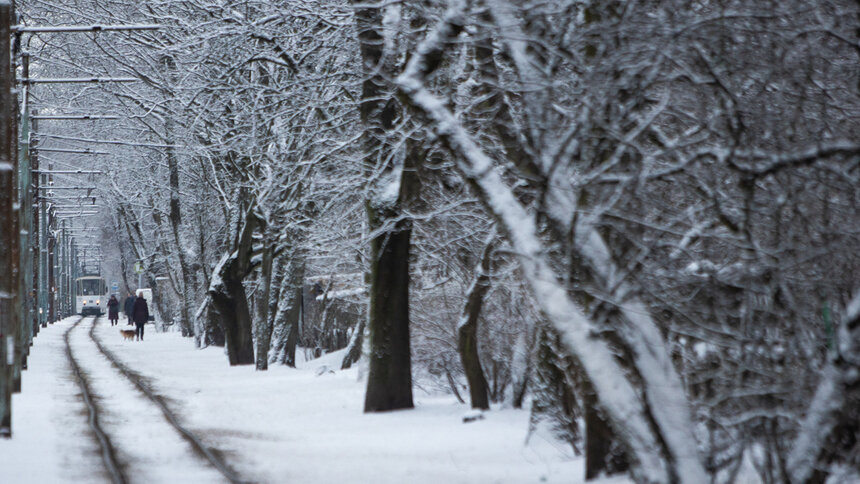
(353, 352)
(288, 316)
(294, 319)
(467, 343)
(602, 455)
(229, 307)
(355, 347)
(389, 382)
(521, 369)
(185, 274)
(263, 323)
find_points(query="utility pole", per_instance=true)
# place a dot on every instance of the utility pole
(51, 262)
(38, 238)
(63, 270)
(8, 238)
(25, 220)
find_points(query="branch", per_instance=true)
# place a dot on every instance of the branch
(617, 395)
(832, 404)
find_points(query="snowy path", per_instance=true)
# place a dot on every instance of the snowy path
(284, 425)
(147, 447)
(52, 442)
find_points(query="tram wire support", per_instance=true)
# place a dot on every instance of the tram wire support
(19, 29)
(9, 284)
(68, 117)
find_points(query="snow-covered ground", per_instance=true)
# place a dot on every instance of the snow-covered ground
(302, 425)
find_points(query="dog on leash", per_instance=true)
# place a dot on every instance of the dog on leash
(128, 333)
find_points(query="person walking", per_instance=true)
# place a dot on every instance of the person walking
(141, 314)
(113, 310)
(128, 308)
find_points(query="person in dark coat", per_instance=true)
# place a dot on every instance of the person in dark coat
(113, 310)
(128, 308)
(141, 314)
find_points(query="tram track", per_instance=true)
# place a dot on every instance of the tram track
(108, 452)
(112, 454)
(138, 381)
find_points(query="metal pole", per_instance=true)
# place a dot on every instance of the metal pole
(50, 261)
(43, 256)
(73, 273)
(8, 281)
(18, 271)
(39, 241)
(68, 272)
(61, 261)
(25, 332)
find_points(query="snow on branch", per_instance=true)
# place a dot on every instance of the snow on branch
(825, 413)
(663, 388)
(617, 395)
(768, 163)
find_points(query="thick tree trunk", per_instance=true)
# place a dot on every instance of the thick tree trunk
(467, 332)
(294, 319)
(602, 455)
(263, 323)
(208, 331)
(288, 316)
(229, 303)
(389, 383)
(230, 308)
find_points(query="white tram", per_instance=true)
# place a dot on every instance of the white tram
(91, 295)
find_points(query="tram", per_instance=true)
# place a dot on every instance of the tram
(91, 295)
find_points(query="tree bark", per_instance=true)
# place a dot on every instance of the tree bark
(294, 320)
(389, 383)
(353, 351)
(602, 455)
(263, 323)
(289, 311)
(229, 308)
(185, 274)
(521, 371)
(467, 333)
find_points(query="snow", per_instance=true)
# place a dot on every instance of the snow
(342, 293)
(282, 425)
(47, 418)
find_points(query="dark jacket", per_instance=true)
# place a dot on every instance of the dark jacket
(113, 308)
(128, 308)
(140, 314)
